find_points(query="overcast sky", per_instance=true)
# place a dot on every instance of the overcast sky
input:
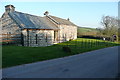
(85, 14)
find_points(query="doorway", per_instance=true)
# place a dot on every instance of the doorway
(55, 35)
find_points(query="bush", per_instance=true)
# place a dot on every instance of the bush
(90, 37)
(70, 39)
(66, 49)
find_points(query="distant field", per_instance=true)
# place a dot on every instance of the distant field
(87, 31)
(82, 29)
(17, 55)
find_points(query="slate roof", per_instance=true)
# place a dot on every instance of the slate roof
(31, 21)
(27, 21)
(62, 21)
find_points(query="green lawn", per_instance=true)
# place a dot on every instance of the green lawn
(16, 55)
(83, 29)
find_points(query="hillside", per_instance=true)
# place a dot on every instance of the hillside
(87, 31)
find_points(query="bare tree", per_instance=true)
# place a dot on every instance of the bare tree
(110, 25)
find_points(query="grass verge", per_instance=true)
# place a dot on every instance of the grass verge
(17, 55)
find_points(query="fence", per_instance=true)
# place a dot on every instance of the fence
(84, 44)
(46, 41)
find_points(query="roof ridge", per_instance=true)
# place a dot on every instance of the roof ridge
(17, 22)
(27, 14)
(62, 21)
(52, 19)
(58, 17)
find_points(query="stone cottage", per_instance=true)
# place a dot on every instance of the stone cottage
(36, 30)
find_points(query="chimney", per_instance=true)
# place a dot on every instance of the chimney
(68, 19)
(46, 13)
(9, 8)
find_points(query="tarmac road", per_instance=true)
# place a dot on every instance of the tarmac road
(101, 63)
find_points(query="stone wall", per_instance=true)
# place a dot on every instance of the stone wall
(9, 26)
(36, 38)
(67, 32)
(10, 30)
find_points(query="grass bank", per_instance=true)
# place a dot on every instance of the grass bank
(17, 55)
